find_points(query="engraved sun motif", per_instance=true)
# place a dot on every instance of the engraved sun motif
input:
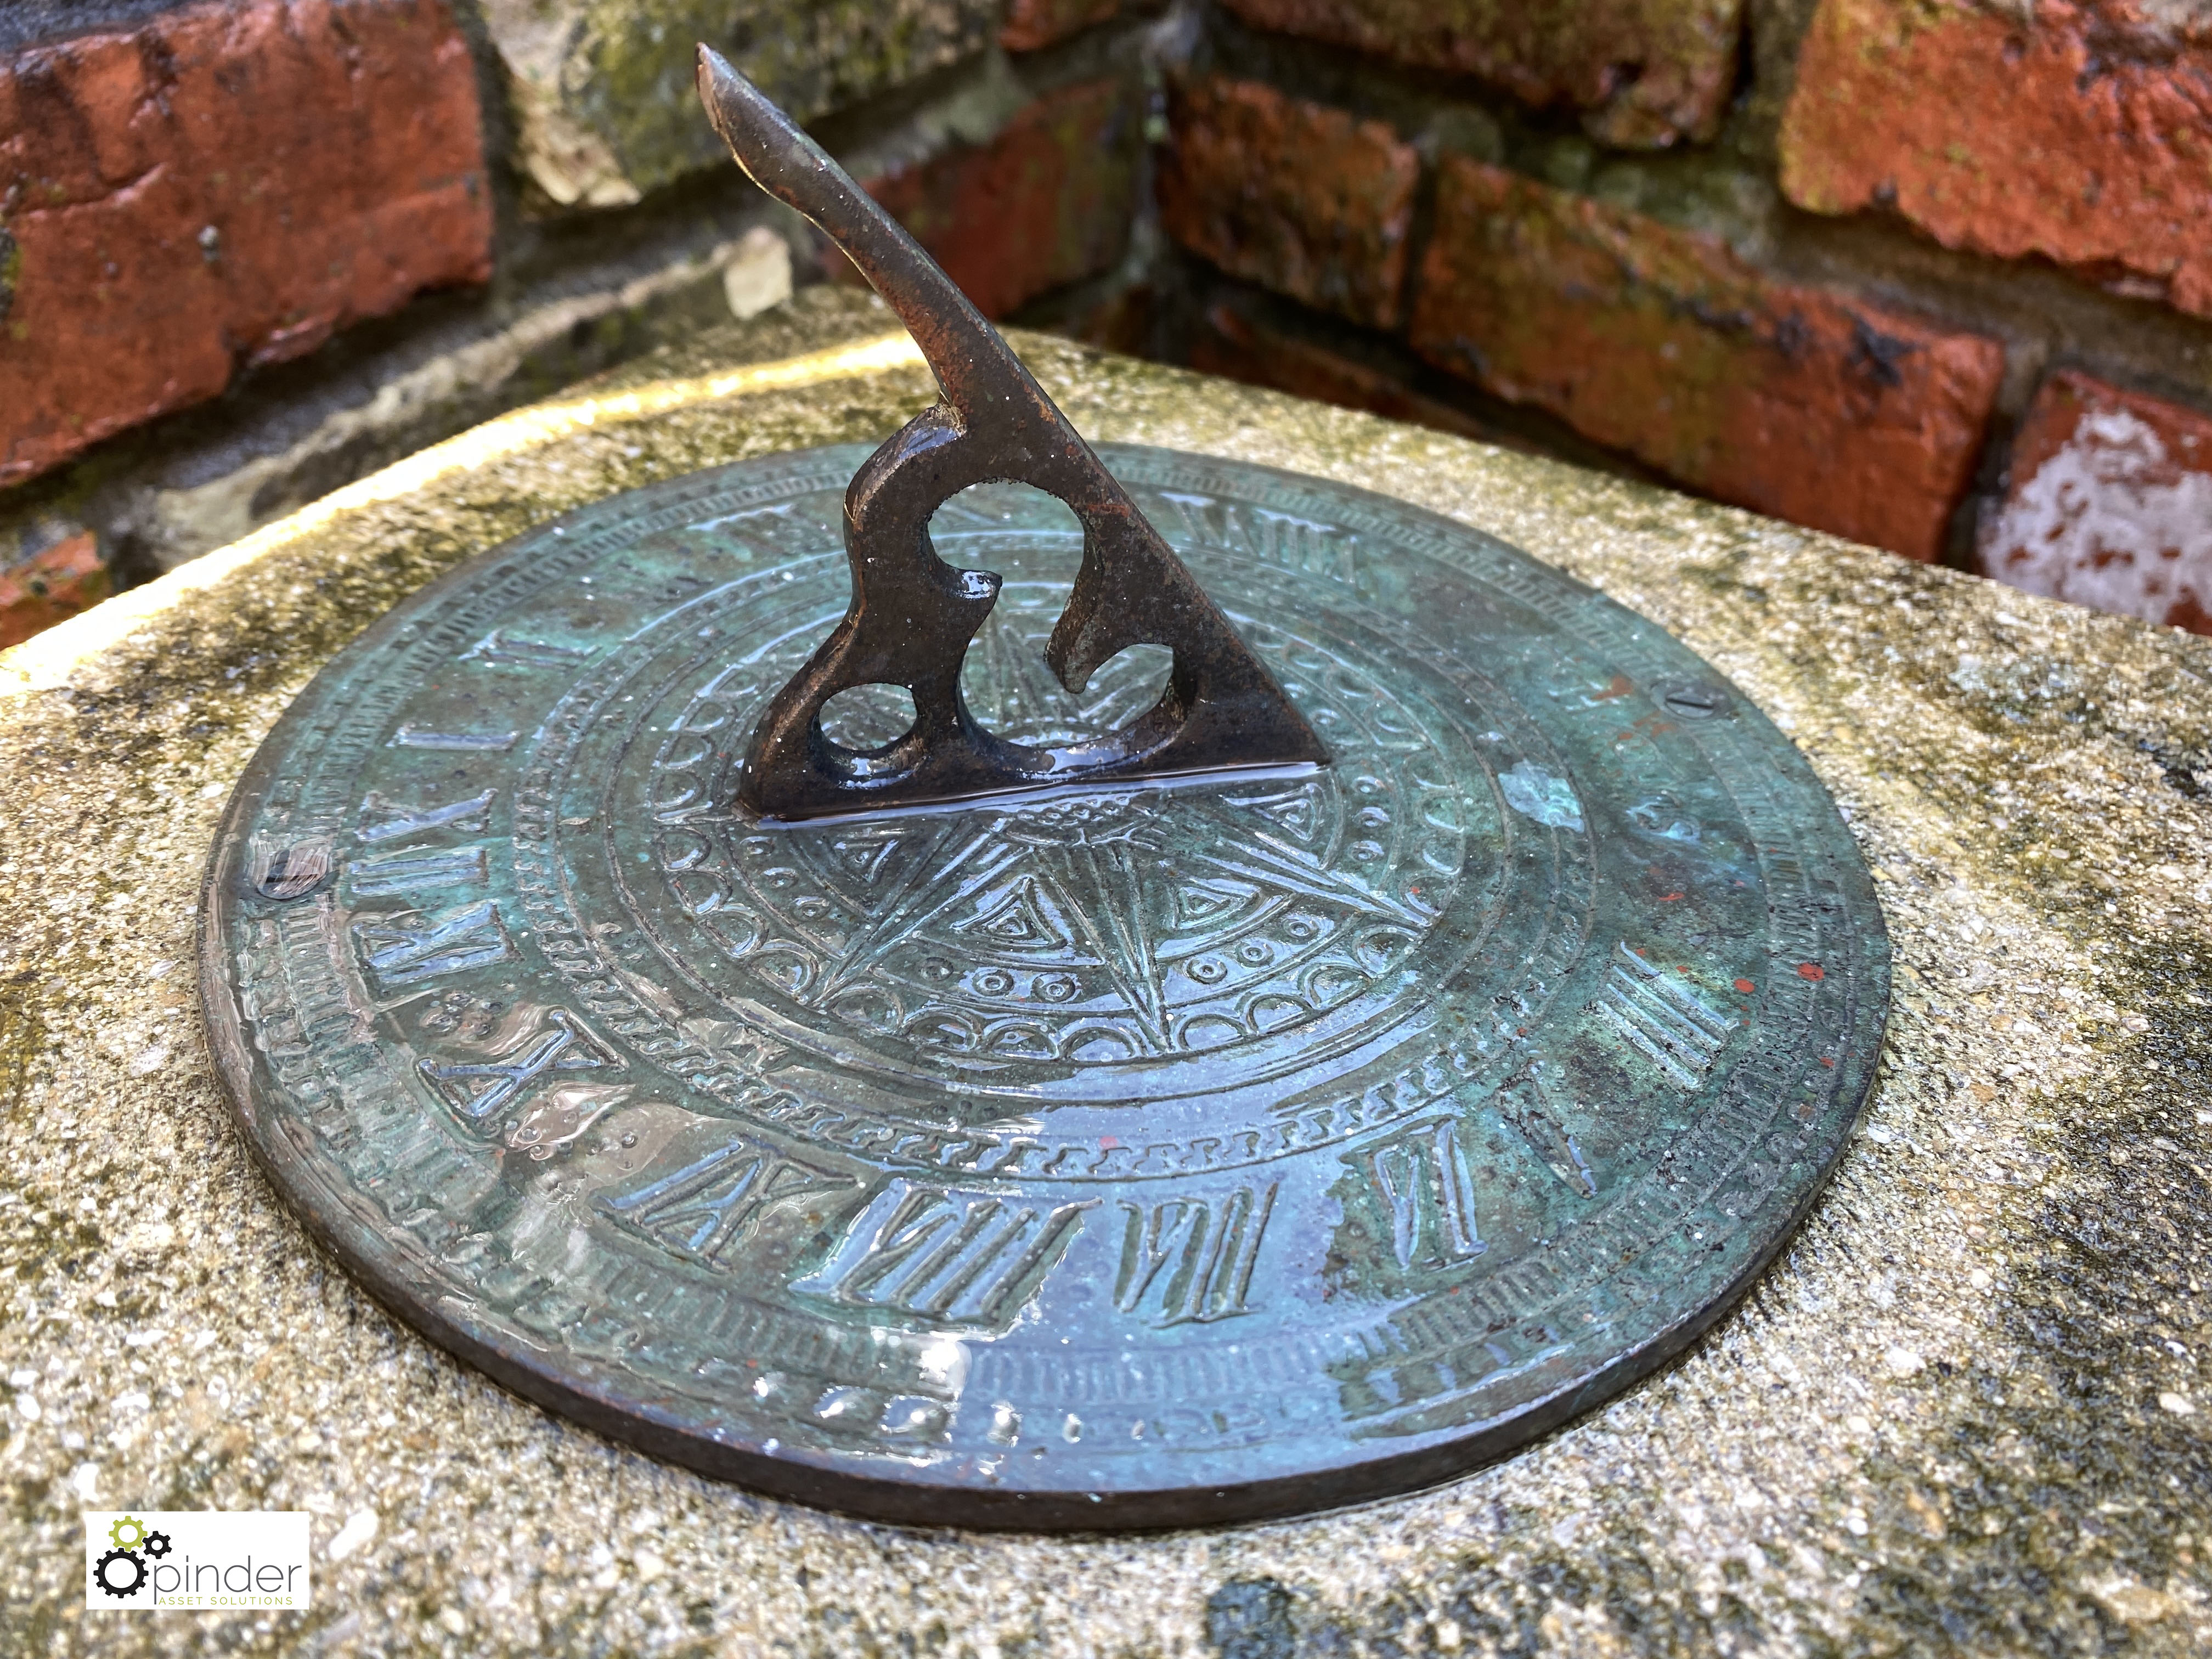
(1098, 928)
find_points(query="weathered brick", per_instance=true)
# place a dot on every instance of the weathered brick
(2110, 504)
(51, 587)
(1801, 402)
(1644, 74)
(1235, 348)
(602, 89)
(1046, 202)
(1031, 24)
(1304, 199)
(224, 183)
(2085, 135)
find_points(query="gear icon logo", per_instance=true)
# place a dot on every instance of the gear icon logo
(120, 1573)
(128, 1567)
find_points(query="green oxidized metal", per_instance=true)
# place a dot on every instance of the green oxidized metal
(1130, 1158)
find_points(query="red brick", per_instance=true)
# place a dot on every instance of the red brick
(1034, 23)
(1801, 402)
(329, 153)
(1235, 348)
(1045, 203)
(2110, 504)
(50, 587)
(1301, 198)
(1644, 74)
(2085, 136)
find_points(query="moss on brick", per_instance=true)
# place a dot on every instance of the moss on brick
(621, 69)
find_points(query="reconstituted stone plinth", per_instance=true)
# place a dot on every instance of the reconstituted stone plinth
(1968, 1411)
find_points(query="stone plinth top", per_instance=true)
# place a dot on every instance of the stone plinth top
(1967, 1410)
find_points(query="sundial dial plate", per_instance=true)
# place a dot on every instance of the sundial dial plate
(1147, 1155)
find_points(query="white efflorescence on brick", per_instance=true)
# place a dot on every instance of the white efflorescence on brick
(2115, 520)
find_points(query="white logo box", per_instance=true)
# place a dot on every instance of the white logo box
(186, 1560)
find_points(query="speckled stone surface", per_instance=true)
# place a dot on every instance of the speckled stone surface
(1968, 1412)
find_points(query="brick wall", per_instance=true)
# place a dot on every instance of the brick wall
(1933, 274)
(252, 249)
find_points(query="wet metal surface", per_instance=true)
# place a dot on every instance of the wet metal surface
(1175, 1153)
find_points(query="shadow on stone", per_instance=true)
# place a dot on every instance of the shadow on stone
(1250, 1619)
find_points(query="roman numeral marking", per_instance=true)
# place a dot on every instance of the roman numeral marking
(1301, 544)
(284, 871)
(710, 1206)
(1532, 1106)
(480, 1090)
(1663, 1019)
(1197, 517)
(480, 742)
(962, 1258)
(416, 868)
(1190, 1260)
(1279, 537)
(498, 646)
(395, 819)
(405, 951)
(1429, 1194)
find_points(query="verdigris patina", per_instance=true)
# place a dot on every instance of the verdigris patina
(1183, 1122)
(1967, 1409)
(1184, 1150)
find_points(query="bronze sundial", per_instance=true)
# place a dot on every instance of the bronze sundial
(1196, 993)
